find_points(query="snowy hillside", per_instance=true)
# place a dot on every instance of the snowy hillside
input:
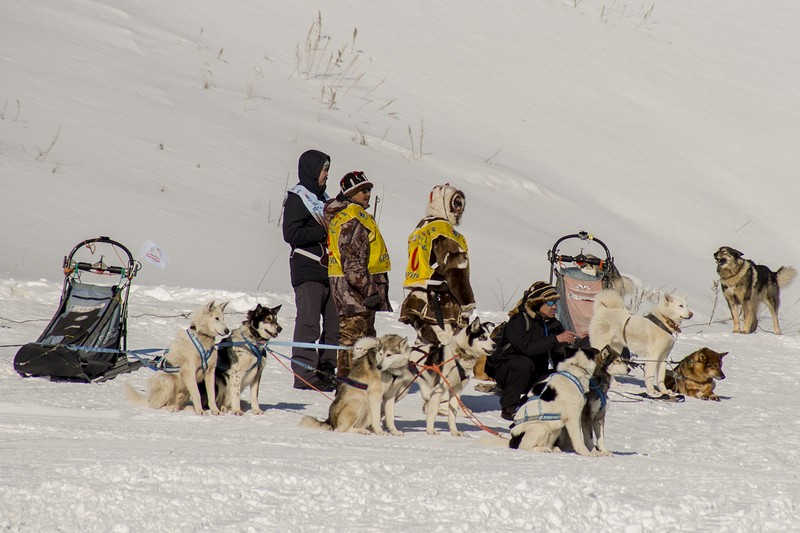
(667, 129)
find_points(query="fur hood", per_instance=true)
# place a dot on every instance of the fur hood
(441, 203)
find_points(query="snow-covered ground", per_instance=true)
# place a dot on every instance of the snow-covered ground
(667, 129)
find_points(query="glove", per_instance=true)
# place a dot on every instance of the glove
(372, 301)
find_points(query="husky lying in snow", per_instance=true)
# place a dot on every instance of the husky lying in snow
(650, 337)
(695, 374)
(194, 356)
(382, 366)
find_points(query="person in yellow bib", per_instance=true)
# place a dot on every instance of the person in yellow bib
(358, 264)
(437, 275)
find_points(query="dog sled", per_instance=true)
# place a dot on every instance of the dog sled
(86, 339)
(579, 278)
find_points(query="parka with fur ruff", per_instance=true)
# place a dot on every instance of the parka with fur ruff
(456, 298)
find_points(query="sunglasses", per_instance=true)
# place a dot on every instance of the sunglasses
(550, 303)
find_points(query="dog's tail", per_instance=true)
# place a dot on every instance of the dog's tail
(786, 275)
(134, 396)
(309, 422)
(608, 299)
(493, 440)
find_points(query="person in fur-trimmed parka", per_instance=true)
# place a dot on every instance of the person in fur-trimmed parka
(532, 343)
(437, 275)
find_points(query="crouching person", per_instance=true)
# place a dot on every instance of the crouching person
(357, 266)
(532, 344)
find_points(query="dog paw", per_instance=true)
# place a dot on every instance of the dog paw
(214, 412)
(602, 453)
(397, 433)
(432, 432)
(458, 434)
(257, 411)
(238, 413)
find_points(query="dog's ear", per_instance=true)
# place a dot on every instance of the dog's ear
(701, 357)
(723, 354)
(276, 309)
(444, 335)
(668, 297)
(475, 325)
(735, 253)
(223, 305)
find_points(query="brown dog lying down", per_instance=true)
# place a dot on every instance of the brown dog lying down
(695, 374)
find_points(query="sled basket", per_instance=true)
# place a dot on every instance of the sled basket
(87, 338)
(578, 279)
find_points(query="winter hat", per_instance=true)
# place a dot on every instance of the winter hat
(539, 293)
(353, 182)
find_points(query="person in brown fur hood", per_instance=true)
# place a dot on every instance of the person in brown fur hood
(358, 264)
(437, 275)
(532, 344)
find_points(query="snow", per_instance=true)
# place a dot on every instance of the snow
(665, 129)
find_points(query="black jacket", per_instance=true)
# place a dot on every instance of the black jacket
(300, 228)
(532, 337)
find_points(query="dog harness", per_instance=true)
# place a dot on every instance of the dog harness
(538, 412)
(205, 355)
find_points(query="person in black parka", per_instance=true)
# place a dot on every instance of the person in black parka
(532, 344)
(304, 229)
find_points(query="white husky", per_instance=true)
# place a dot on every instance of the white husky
(191, 358)
(650, 337)
(457, 358)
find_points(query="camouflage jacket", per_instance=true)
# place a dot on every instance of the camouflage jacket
(350, 291)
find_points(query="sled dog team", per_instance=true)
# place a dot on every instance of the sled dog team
(348, 281)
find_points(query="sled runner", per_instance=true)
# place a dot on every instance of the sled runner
(578, 279)
(86, 339)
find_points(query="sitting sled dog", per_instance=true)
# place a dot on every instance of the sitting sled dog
(745, 285)
(650, 337)
(457, 356)
(190, 359)
(241, 359)
(557, 404)
(379, 368)
(593, 419)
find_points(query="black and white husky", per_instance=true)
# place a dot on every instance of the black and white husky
(242, 358)
(593, 420)
(456, 361)
(558, 404)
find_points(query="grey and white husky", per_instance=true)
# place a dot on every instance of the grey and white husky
(456, 358)
(378, 375)
(241, 359)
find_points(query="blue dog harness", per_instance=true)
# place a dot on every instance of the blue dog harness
(537, 412)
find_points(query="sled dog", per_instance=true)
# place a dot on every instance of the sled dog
(593, 419)
(241, 359)
(190, 359)
(456, 356)
(745, 285)
(558, 404)
(379, 369)
(651, 337)
(695, 374)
